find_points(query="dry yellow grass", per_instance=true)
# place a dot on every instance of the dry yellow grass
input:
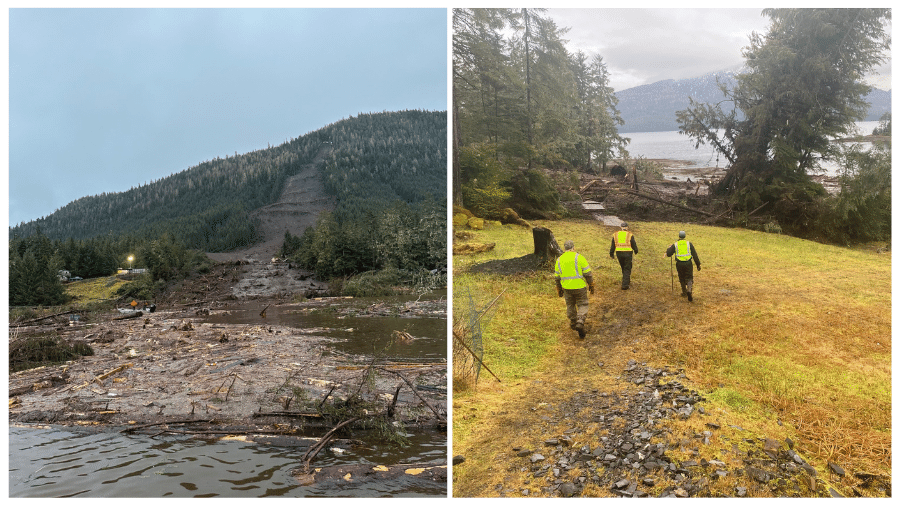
(785, 338)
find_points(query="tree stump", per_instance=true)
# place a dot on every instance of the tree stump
(545, 245)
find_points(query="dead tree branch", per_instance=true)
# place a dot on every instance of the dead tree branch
(314, 449)
(413, 388)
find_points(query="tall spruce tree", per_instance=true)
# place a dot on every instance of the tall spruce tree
(803, 87)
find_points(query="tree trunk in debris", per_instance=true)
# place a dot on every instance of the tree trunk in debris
(545, 245)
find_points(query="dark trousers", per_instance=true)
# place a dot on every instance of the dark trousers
(685, 275)
(625, 258)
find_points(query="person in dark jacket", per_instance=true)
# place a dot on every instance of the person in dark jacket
(684, 253)
(624, 248)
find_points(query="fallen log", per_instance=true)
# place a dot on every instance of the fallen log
(28, 322)
(662, 201)
(135, 314)
(144, 426)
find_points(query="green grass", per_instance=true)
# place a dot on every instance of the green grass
(786, 338)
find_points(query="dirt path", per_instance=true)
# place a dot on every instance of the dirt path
(603, 417)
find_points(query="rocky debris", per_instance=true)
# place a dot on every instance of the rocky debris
(436, 308)
(617, 443)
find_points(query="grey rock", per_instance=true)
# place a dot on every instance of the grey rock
(836, 469)
(537, 457)
(758, 474)
(568, 489)
(523, 453)
(458, 459)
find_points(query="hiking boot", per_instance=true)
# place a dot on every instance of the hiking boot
(690, 297)
(579, 327)
(572, 325)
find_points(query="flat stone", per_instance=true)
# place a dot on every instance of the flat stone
(622, 484)
(551, 442)
(568, 489)
(741, 491)
(537, 457)
(836, 469)
(458, 459)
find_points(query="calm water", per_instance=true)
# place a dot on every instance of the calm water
(674, 146)
(58, 462)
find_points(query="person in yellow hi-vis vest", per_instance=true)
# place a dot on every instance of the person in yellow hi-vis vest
(624, 247)
(684, 252)
(573, 280)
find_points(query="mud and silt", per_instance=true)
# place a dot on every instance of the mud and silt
(183, 368)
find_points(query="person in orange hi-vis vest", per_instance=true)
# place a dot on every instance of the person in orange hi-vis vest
(624, 247)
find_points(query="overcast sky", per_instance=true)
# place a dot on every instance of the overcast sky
(643, 46)
(101, 100)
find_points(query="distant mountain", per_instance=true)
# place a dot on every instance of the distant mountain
(364, 161)
(652, 107)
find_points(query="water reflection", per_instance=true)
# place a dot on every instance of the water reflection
(62, 463)
(58, 462)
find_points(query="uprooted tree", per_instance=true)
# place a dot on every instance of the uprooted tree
(803, 87)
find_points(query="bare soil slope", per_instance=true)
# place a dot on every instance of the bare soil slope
(302, 200)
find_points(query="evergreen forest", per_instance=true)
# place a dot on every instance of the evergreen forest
(389, 166)
(523, 102)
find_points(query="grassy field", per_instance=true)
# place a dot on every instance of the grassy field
(785, 338)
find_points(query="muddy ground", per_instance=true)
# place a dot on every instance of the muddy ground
(168, 364)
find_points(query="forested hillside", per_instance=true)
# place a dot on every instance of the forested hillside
(391, 155)
(652, 107)
(386, 172)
